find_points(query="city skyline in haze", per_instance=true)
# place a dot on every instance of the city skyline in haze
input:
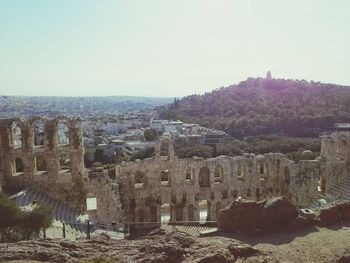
(167, 48)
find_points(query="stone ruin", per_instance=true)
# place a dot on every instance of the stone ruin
(141, 189)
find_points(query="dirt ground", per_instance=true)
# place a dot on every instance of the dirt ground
(312, 245)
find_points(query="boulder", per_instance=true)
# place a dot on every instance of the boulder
(250, 216)
(298, 223)
(308, 214)
(334, 213)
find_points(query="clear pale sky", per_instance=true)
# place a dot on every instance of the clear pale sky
(168, 48)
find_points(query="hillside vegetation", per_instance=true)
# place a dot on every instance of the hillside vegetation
(260, 106)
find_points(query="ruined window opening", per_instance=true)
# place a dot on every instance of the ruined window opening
(40, 164)
(189, 174)
(204, 211)
(16, 135)
(219, 206)
(164, 177)
(322, 185)
(219, 174)
(190, 212)
(38, 133)
(64, 163)
(91, 203)
(63, 132)
(165, 213)
(139, 179)
(240, 172)
(261, 169)
(164, 149)
(19, 166)
(204, 177)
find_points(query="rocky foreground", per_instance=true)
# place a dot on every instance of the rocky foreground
(157, 248)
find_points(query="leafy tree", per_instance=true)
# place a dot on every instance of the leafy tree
(150, 134)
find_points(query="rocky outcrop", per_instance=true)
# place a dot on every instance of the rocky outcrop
(334, 213)
(158, 248)
(251, 216)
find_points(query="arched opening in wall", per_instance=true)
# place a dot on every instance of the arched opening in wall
(219, 174)
(139, 179)
(63, 132)
(190, 213)
(261, 169)
(322, 185)
(165, 213)
(64, 163)
(189, 175)
(164, 148)
(204, 177)
(91, 203)
(38, 133)
(19, 166)
(165, 178)
(240, 172)
(204, 211)
(219, 206)
(16, 135)
(40, 164)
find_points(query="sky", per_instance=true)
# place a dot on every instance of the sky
(166, 48)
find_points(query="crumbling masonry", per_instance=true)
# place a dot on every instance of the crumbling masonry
(140, 188)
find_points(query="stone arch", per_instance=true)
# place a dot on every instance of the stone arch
(16, 133)
(190, 212)
(165, 177)
(64, 162)
(139, 177)
(165, 213)
(219, 174)
(18, 166)
(189, 174)
(37, 130)
(204, 177)
(62, 130)
(240, 172)
(40, 164)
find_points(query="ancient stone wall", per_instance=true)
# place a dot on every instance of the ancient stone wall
(142, 189)
(20, 157)
(183, 183)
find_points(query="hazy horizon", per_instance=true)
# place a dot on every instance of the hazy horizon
(167, 49)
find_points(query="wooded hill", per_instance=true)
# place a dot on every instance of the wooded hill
(259, 106)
